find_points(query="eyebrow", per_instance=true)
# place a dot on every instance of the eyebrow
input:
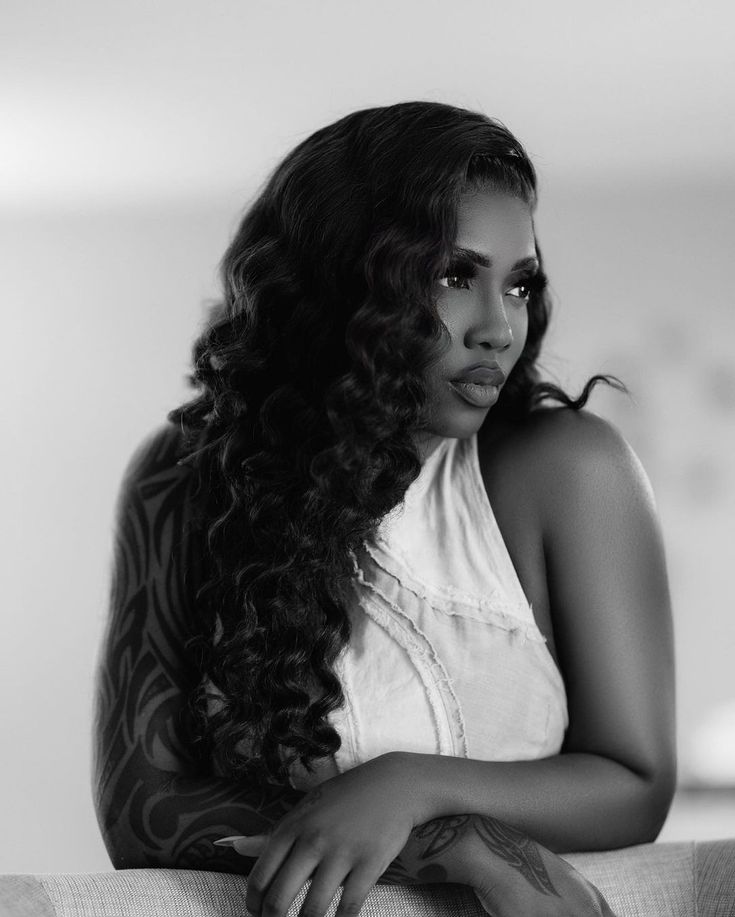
(484, 261)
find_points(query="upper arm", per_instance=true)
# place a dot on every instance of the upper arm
(609, 598)
(145, 674)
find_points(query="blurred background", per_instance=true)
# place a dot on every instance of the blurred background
(133, 136)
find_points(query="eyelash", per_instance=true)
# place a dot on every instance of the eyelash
(534, 283)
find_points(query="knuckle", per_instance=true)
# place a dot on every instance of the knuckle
(312, 910)
(316, 906)
(349, 908)
(279, 830)
(274, 905)
(255, 884)
(255, 875)
(314, 841)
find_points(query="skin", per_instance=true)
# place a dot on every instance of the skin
(576, 513)
(486, 317)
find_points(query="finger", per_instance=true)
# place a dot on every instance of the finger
(277, 849)
(324, 886)
(357, 887)
(288, 881)
(483, 896)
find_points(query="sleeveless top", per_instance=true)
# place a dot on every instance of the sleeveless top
(444, 656)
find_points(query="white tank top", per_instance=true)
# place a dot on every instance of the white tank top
(445, 656)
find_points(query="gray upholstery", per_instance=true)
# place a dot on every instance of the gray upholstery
(653, 880)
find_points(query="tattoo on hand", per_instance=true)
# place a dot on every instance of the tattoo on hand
(398, 874)
(444, 833)
(513, 847)
(518, 850)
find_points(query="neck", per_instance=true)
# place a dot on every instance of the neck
(426, 444)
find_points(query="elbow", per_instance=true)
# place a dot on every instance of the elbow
(123, 854)
(124, 849)
(657, 789)
(660, 808)
(122, 859)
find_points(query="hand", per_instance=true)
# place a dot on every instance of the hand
(513, 875)
(344, 832)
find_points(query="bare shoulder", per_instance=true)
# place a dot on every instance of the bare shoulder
(156, 481)
(157, 533)
(561, 434)
(158, 453)
(561, 455)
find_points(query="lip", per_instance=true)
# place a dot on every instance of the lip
(482, 374)
(479, 396)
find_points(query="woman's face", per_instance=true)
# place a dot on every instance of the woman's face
(482, 301)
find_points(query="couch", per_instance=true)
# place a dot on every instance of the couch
(652, 880)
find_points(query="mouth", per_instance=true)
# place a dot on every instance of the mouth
(483, 374)
(478, 394)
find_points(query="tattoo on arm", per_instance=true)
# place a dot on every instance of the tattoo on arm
(158, 804)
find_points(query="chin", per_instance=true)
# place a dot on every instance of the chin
(460, 424)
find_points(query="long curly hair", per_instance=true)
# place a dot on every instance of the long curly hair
(310, 378)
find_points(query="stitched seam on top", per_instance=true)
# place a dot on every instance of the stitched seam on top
(396, 632)
(539, 742)
(442, 592)
(45, 892)
(527, 631)
(456, 723)
(695, 866)
(489, 614)
(349, 718)
(556, 701)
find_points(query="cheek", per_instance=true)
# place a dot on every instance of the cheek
(449, 319)
(519, 327)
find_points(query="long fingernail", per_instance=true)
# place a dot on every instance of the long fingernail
(226, 841)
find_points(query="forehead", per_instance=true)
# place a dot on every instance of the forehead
(494, 222)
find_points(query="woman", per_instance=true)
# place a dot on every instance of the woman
(375, 606)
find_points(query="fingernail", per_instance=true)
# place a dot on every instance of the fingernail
(227, 841)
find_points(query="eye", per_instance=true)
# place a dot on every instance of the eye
(528, 285)
(458, 276)
(455, 281)
(520, 291)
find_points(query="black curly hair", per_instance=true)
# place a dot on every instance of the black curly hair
(310, 377)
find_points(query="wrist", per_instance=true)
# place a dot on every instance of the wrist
(445, 849)
(404, 765)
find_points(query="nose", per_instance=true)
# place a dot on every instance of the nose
(490, 327)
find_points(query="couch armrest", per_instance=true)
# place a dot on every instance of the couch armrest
(665, 880)
(652, 880)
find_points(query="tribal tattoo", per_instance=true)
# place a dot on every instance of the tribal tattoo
(443, 833)
(437, 838)
(518, 851)
(157, 803)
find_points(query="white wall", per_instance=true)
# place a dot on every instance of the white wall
(139, 132)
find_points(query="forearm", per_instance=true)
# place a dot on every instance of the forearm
(566, 802)
(175, 824)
